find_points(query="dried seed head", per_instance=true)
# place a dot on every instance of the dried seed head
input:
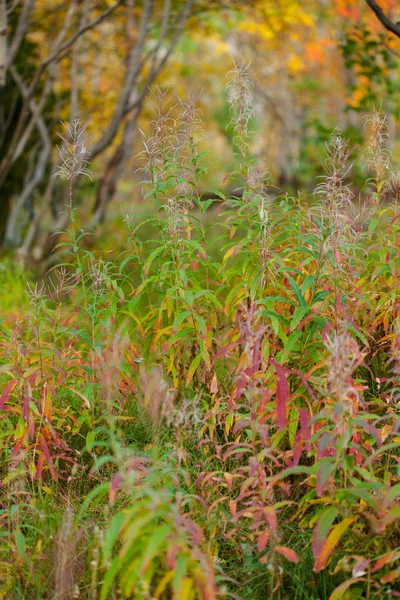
(190, 124)
(377, 154)
(73, 152)
(161, 140)
(335, 195)
(343, 357)
(393, 185)
(241, 99)
(64, 282)
(36, 293)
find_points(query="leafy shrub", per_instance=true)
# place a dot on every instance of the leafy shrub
(216, 411)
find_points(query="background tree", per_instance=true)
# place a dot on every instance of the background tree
(314, 65)
(383, 17)
(88, 59)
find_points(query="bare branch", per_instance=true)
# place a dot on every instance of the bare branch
(75, 63)
(21, 28)
(57, 53)
(66, 25)
(62, 50)
(3, 43)
(12, 6)
(39, 171)
(32, 123)
(182, 20)
(156, 67)
(383, 18)
(132, 71)
(142, 65)
(34, 225)
(113, 171)
(164, 27)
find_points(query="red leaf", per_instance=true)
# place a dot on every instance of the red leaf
(282, 394)
(262, 540)
(31, 423)
(305, 427)
(298, 447)
(372, 431)
(288, 553)
(325, 470)
(226, 349)
(360, 568)
(272, 519)
(39, 466)
(322, 529)
(46, 452)
(8, 388)
(25, 406)
(17, 454)
(115, 484)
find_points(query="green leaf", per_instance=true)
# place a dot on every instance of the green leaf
(379, 270)
(373, 224)
(357, 333)
(320, 296)
(112, 533)
(109, 578)
(99, 491)
(192, 369)
(90, 439)
(153, 546)
(298, 316)
(300, 298)
(343, 587)
(322, 528)
(184, 333)
(21, 543)
(290, 346)
(151, 258)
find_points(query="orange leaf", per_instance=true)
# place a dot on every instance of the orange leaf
(214, 385)
(272, 519)
(8, 388)
(232, 507)
(262, 540)
(386, 558)
(288, 553)
(229, 480)
(391, 576)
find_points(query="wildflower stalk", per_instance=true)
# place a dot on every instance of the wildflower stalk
(378, 151)
(242, 110)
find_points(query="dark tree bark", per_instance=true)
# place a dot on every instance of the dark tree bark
(29, 114)
(27, 137)
(383, 18)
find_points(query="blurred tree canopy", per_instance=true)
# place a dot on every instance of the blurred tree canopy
(314, 65)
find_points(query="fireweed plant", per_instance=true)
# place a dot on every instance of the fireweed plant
(214, 413)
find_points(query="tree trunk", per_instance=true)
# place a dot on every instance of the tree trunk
(114, 169)
(4, 214)
(3, 44)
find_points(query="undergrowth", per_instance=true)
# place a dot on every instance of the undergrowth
(214, 413)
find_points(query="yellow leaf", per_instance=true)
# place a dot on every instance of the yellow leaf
(331, 542)
(228, 423)
(295, 64)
